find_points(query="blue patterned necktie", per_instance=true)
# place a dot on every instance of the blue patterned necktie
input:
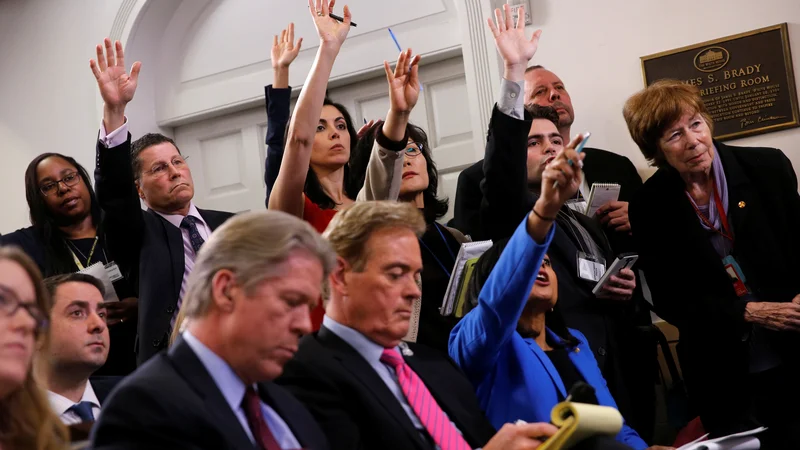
(83, 410)
(190, 223)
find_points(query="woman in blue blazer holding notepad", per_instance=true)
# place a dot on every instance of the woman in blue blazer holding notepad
(518, 354)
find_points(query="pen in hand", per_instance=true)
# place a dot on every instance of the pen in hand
(341, 19)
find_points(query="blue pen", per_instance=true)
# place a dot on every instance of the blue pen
(400, 49)
(578, 150)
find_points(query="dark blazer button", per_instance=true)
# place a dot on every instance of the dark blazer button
(156, 343)
(170, 309)
(601, 351)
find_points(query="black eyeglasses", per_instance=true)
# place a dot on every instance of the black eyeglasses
(10, 304)
(161, 169)
(69, 180)
(413, 152)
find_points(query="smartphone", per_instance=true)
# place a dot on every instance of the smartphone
(623, 261)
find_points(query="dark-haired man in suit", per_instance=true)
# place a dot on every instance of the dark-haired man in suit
(518, 147)
(545, 88)
(162, 241)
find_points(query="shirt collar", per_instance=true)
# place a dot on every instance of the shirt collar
(60, 404)
(224, 377)
(176, 219)
(362, 344)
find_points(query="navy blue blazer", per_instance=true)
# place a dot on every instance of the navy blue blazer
(513, 377)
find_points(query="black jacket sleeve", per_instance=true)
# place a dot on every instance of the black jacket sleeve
(123, 218)
(506, 199)
(277, 103)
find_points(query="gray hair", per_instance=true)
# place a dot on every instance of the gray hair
(253, 246)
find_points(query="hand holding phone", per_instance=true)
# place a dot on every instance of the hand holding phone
(623, 261)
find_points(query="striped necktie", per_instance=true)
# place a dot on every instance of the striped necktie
(424, 405)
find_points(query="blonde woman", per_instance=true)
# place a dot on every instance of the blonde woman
(26, 421)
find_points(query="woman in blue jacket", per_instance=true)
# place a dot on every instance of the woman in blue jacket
(512, 346)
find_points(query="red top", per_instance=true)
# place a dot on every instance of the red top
(319, 219)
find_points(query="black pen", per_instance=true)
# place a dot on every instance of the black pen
(341, 19)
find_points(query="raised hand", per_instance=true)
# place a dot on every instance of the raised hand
(116, 86)
(403, 83)
(515, 49)
(330, 30)
(565, 169)
(284, 48)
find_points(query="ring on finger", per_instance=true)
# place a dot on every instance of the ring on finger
(319, 13)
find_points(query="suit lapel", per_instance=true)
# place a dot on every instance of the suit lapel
(298, 426)
(212, 218)
(354, 363)
(188, 366)
(741, 199)
(548, 365)
(174, 240)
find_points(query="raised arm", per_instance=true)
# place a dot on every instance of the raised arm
(287, 193)
(123, 222)
(505, 186)
(385, 168)
(477, 339)
(277, 96)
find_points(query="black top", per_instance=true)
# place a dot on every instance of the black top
(437, 255)
(569, 374)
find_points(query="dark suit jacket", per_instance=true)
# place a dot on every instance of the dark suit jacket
(173, 403)
(691, 289)
(277, 104)
(144, 240)
(103, 385)
(356, 409)
(600, 166)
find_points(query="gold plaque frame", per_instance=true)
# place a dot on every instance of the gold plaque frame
(787, 62)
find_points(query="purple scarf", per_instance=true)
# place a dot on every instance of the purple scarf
(722, 245)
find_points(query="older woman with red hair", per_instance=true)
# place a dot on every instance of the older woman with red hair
(716, 227)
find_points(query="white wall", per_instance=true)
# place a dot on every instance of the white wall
(49, 101)
(47, 92)
(594, 46)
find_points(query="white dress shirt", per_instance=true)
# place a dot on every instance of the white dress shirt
(60, 404)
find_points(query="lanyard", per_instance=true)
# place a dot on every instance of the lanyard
(89, 259)
(726, 230)
(441, 265)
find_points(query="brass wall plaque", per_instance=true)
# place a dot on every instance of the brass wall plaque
(746, 80)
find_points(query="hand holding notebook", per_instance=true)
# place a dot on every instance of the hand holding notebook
(601, 194)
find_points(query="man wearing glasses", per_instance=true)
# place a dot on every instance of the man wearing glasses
(163, 240)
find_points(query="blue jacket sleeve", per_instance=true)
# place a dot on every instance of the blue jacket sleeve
(626, 435)
(477, 339)
(277, 102)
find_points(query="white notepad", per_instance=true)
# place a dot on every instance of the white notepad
(467, 251)
(601, 194)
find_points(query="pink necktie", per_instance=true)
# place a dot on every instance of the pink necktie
(419, 397)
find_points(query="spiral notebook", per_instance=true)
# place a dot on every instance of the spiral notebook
(468, 251)
(601, 194)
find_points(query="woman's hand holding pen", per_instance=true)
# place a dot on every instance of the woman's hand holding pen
(332, 33)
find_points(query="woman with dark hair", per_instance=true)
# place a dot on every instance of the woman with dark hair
(26, 421)
(439, 245)
(314, 177)
(66, 236)
(513, 346)
(314, 180)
